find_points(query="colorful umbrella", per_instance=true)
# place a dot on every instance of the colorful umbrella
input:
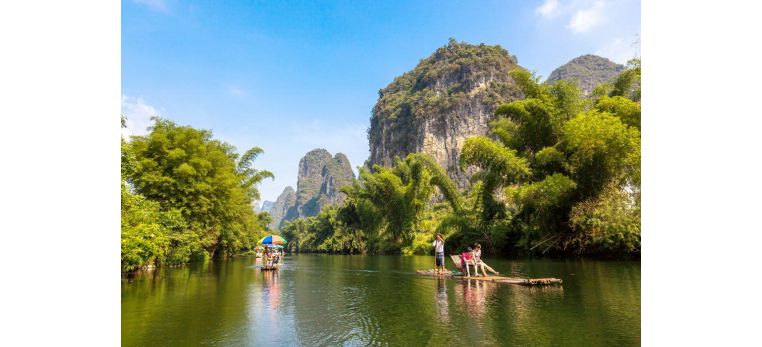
(272, 240)
(274, 246)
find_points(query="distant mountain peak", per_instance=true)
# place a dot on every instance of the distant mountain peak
(285, 200)
(266, 206)
(588, 71)
(449, 96)
(320, 178)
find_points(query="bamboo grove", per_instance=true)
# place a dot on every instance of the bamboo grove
(558, 174)
(187, 196)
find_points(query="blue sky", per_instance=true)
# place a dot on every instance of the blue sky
(291, 76)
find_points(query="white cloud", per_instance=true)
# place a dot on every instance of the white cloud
(235, 91)
(548, 9)
(584, 20)
(621, 50)
(138, 115)
(156, 5)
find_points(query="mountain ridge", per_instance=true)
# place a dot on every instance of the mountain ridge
(449, 96)
(588, 70)
(319, 181)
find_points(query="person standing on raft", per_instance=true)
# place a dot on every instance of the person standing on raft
(439, 253)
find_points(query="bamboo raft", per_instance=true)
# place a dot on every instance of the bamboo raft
(267, 266)
(498, 279)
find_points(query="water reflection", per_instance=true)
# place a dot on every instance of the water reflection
(473, 296)
(271, 289)
(443, 307)
(376, 300)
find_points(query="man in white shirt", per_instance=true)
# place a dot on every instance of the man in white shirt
(439, 253)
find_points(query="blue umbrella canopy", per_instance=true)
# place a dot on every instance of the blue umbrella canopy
(272, 240)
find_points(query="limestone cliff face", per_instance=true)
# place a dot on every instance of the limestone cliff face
(320, 179)
(588, 71)
(285, 201)
(336, 174)
(448, 97)
(266, 206)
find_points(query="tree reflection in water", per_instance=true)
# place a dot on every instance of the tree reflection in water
(473, 296)
(328, 300)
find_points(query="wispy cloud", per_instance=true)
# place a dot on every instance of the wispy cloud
(548, 9)
(235, 91)
(585, 19)
(621, 50)
(155, 5)
(580, 16)
(138, 114)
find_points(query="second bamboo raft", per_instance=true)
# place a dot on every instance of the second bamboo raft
(500, 279)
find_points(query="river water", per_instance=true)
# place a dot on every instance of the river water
(328, 300)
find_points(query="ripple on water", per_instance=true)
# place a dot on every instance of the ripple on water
(378, 300)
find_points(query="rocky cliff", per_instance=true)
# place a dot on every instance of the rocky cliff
(285, 201)
(446, 98)
(266, 206)
(319, 183)
(588, 71)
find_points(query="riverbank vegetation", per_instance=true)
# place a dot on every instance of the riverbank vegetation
(558, 174)
(187, 196)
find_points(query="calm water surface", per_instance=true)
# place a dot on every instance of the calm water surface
(328, 300)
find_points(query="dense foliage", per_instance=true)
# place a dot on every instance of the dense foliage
(386, 210)
(557, 174)
(186, 195)
(417, 89)
(152, 236)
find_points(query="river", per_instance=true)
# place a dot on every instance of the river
(317, 300)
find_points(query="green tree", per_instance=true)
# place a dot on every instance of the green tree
(386, 210)
(601, 149)
(627, 84)
(151, 236)
(401, 194)
(328, 232)
(627, 110)
(555, 174)
(609, 224)
(548, 156)
(185, 169)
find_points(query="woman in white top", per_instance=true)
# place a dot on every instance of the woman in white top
(479, 262)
